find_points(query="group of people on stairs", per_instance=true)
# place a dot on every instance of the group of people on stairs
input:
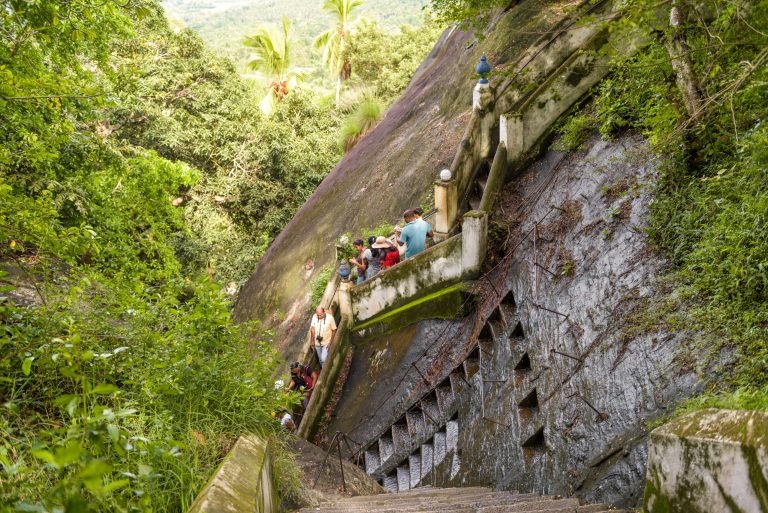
(380, 254)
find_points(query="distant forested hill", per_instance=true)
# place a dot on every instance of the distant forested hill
(224, 23)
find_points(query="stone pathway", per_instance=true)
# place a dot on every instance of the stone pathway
(458, 500)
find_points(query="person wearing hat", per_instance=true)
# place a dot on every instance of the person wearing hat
(373, 257)
(391, 253)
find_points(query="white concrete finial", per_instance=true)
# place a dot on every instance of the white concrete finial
(445, 175)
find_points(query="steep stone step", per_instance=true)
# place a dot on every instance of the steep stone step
(423, 500)
(417, 501)
(422, 494)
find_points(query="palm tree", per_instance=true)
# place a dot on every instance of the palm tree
(333, 42)
(271, 57)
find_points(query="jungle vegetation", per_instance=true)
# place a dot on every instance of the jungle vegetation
(223, 24)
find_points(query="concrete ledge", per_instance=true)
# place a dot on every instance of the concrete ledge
(436, 268)
(711, 461)
(242, 483)
(495, 179)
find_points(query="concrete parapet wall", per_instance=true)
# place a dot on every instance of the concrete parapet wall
(242, 483)
(437, 267)
(467, 156)
(711, 461)
(549, 53)
(521, 130)
(326, 381)
(496, 178)
(455, 259)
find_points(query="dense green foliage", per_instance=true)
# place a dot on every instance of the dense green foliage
(383, 63)
(185, 103)
(466, 11)
(711, 203)
(137, 176)
(122, 377)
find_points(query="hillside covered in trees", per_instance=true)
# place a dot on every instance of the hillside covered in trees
(224, 23)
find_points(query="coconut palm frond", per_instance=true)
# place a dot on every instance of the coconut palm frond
(271, 57)
(334, 41)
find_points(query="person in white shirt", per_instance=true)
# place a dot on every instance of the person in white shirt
(321, 333)
(287, 422)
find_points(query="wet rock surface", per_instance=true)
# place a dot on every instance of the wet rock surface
(548, 386)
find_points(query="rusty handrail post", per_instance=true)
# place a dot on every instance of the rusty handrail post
(353, 454)
(322, 465)
(341, 462)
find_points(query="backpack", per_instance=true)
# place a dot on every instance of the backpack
(306, 375)
(391, 258)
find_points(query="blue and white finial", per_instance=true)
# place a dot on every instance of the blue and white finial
(483, 69)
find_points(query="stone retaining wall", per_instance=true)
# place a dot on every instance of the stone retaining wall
(710, 461)
(323, 389)
(243, 482)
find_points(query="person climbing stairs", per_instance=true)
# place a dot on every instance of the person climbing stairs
(458, 500)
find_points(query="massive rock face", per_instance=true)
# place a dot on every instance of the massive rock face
(392, 169)
(557, 398)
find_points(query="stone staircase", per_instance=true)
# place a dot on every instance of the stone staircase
(478, 185)
(404, 455)
(458, 500)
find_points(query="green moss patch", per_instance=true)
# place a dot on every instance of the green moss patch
(447, 303)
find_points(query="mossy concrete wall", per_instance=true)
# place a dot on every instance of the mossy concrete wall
(448, 303)
(242, 483)
(548, 53)
(711, 461)
(435, 268)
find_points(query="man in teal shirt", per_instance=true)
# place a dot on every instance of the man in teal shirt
(414, 234)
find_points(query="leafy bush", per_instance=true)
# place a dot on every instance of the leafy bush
(123, 381)
(179, 99)
(575, 132)
(317, 287)
(362, 120)
(465, 10)
(384, 62)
